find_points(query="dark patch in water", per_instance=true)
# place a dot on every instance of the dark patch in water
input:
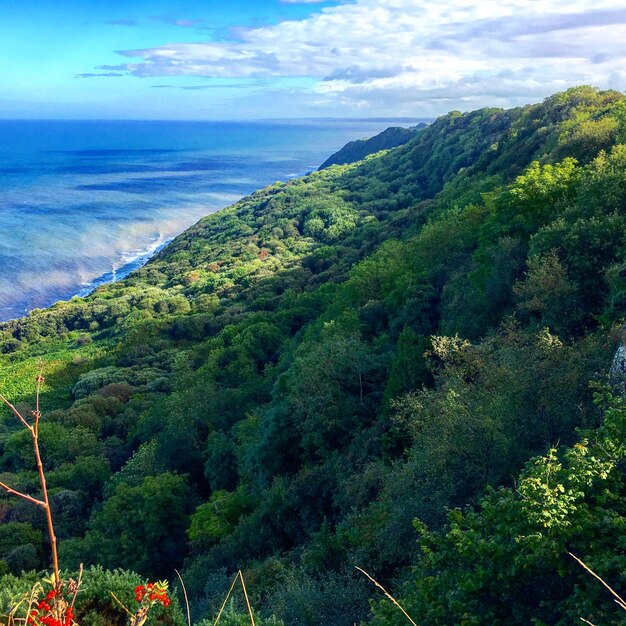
(14, 170)
(108, 169)
(118, 152)
(141, 185)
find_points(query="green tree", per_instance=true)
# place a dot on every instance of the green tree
(141, 527)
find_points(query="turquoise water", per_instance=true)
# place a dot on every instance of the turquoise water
(84, 202)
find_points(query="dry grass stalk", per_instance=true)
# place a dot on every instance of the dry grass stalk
(245, 593)
(395, 602)
(74, 585)
(238, 576)
(28, 599)
(122, 605)
(182, 583)
(618, 599)
(232, 586)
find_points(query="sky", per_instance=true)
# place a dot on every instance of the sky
(251, 59)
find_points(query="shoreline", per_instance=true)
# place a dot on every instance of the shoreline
(116, 274)
(119, 273)
(100, 180)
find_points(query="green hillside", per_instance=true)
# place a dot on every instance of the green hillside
(329, 372)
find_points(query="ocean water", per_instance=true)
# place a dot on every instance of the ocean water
(85, 202)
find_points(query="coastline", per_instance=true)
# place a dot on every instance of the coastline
(82, 199)
(116, 274)
(130, 265)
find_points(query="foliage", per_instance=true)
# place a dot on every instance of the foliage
(507, 561)
(139, 526)
(95, 603)
(294, 379)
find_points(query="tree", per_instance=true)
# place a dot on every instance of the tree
(141, 527)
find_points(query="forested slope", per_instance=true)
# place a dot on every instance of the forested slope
(298, 382)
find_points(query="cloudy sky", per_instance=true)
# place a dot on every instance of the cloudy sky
(224, 59)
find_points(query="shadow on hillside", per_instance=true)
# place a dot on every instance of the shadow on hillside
(55, 394)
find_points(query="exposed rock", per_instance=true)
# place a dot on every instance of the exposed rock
(617, 373)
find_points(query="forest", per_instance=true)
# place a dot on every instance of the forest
(401, 364)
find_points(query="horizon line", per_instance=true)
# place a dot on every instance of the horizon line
(402, 118)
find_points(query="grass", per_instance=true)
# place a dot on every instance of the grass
(63, 365)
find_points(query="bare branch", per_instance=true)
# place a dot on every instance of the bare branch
(45, 503)
(25, 496)
(16, 412)
(40, 380)
(37, 412)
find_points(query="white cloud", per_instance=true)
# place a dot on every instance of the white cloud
(406, 54)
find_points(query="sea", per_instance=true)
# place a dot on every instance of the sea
(83, 203)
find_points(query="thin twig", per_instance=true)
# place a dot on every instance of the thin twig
(40, 379)
(387, 594)
(78, 583)
(618, 598)
(185, 596)
(245, 593)
(37, 412)
(582, 619)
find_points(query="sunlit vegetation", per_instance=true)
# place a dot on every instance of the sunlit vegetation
(388, 364)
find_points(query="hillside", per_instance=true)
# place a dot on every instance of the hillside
(357, 150)
(328, 372)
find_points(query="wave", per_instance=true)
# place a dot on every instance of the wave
(128, 262)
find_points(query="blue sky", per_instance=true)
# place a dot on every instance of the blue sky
(224, 59)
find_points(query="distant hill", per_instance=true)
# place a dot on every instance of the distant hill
(357, 150)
